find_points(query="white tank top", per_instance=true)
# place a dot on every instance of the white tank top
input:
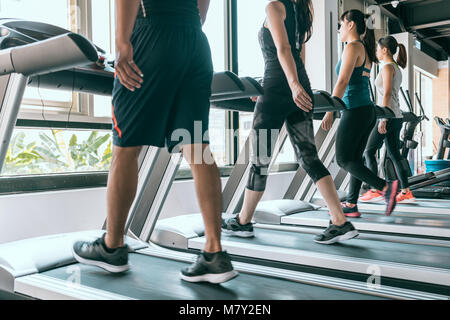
(396, 84)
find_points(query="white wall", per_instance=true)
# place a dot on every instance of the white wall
(37, 214)
(425, 63)
(416, 59)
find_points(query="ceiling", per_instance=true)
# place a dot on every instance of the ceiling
(429, 20)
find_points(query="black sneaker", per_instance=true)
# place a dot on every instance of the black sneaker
(335, 233)
(96, 254)
(232, 227)
(210, 267)
(390, 196)
(350, 212)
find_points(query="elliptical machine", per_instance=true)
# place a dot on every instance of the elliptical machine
(444, 142)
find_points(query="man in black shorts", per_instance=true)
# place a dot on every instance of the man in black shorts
(161, 98)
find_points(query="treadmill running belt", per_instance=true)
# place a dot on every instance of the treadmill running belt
(412, 254)
(156, 278)
(414, 215)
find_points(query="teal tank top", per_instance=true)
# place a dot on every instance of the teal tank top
(357, 93)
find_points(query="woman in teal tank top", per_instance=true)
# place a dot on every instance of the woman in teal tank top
(357, 93)
(358, 120)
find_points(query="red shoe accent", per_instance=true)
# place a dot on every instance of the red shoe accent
(356, 214)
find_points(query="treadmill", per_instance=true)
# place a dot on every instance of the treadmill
(414, 216)
(292, 247)
(302, 204)
(418, 261)
(44, 268)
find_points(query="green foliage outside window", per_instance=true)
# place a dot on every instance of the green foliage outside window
(51, 154)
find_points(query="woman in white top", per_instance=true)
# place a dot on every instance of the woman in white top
(388, 85)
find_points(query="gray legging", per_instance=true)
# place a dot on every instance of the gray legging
(392, 141)
(266, 127)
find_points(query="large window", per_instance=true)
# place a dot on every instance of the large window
(251, 15)
(49, 150)
(48, 11)
(214, 28)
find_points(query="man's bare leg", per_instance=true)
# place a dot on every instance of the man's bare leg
(122, 186)
(209, 192)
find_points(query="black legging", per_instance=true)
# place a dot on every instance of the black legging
(275, 108)
(354, 130)
(392, 142)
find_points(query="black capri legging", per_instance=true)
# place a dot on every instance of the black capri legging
(354, 130)
(267, 122)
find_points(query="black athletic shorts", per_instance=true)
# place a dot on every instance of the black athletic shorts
(172, 107)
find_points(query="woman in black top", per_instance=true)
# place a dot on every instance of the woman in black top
(287, 98)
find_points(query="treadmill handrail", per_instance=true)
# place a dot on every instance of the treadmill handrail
(410, 117)
(384, 112)
(29, 30)
(324, 102)
(225, 83)
(51, 55)
(250, 88)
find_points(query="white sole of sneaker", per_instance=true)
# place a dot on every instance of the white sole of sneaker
(349, 235)
(407, 201)
(211, 277)
(103, 265)
(242, 234)
(379, 199)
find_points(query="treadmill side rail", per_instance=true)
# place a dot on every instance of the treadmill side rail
(175, 232)
(35, 255)
(272, 211)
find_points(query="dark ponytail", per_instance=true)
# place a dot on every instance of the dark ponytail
(402, 58)
(392, 45)
(362, 29)
(304, 16)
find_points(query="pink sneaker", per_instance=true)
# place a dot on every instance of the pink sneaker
(405, 197)
(371, 196)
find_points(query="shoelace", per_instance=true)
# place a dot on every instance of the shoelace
(90, 245)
